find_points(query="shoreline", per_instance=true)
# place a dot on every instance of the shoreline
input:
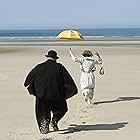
(54, 42)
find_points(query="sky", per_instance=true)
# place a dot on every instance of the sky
(58, 14)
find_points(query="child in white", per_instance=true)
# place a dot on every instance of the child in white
(87, 80)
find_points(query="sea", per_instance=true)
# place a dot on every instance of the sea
(50, 34)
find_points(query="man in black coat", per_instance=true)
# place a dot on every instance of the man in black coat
(52, 85)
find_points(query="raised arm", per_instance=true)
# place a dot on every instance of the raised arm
(99, 61)
(75, 59)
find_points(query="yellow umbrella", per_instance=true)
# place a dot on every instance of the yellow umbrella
(70, 35)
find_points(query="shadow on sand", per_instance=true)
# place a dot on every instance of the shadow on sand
(120, 99)
(77, 128)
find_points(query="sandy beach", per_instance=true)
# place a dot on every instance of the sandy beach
(115, 114)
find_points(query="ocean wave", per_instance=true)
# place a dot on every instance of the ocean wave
(93, 36)
(137, 36)
(49, 38)
(26, 38)
(115, 36)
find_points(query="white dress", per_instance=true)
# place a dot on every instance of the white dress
(87, 79)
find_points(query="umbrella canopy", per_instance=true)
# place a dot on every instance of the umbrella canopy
(70, 35)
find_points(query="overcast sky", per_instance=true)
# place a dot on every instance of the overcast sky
(54, 14)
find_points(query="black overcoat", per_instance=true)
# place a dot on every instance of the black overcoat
(50, 80)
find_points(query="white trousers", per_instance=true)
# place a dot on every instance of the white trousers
(88, 93)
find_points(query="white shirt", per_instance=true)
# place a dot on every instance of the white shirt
(87, 65)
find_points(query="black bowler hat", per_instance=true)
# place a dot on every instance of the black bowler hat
(52, 54)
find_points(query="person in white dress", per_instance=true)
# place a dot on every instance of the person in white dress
(88, 66)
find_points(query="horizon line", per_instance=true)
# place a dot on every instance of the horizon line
(73, 28)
